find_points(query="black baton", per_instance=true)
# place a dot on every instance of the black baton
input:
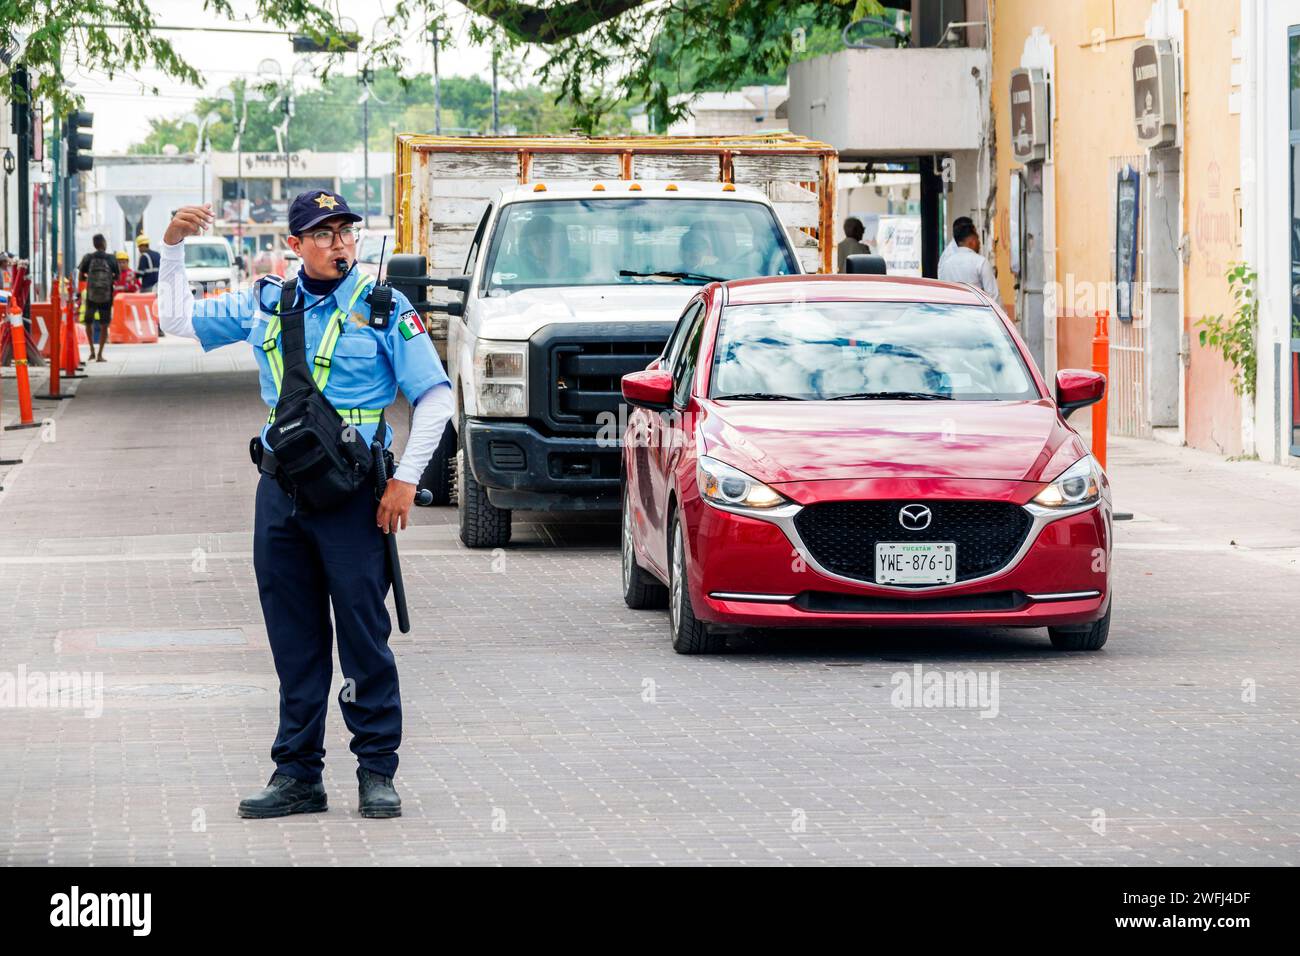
(390, 541)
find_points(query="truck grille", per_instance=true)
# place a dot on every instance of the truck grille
(579, 369)
(842, 535)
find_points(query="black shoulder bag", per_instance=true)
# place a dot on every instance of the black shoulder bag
(324, 458)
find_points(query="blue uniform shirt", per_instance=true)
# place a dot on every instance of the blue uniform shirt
(369, 364)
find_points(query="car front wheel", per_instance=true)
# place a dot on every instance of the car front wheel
(1089, 637)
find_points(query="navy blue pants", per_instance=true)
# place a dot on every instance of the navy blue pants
(304, 563)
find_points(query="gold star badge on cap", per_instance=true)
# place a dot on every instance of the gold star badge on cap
(326, 201)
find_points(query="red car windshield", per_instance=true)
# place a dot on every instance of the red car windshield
(867, 350)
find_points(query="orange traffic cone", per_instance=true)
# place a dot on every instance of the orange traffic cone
(19, 338)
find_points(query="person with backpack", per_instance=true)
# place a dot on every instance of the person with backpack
(99, 271)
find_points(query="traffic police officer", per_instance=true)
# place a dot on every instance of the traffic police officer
(305, 562)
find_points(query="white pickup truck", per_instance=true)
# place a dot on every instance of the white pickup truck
(565, 286)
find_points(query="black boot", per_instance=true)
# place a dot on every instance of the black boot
(282, 796)
(376, 795)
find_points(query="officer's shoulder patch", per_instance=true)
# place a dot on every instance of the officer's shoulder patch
(409, 324)
(268, 282)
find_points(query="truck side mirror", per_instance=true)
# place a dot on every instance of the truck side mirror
(405, 267)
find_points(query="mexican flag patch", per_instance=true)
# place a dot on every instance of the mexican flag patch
(410, 325)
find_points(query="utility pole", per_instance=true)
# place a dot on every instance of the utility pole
(56, 197)
(366, 75)
(496, 111)
(288, 114)
(22, 113)
(437, 86)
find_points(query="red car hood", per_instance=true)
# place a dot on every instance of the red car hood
(808, 441)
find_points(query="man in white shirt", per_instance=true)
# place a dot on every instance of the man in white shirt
(965, 264)
(952, 246)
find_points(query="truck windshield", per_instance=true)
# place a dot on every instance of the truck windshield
(583, 242)
(208, 255)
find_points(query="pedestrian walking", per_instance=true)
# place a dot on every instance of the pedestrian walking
(961, 223)
(99, 271)
(318, 538)
(966, 264)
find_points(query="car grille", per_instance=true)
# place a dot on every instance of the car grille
(586, 378)
(841, 535)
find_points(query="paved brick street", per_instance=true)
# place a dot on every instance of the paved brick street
(547, 723)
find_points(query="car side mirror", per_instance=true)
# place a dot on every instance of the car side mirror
(652, 389)
(1077, 388)
(863, 264)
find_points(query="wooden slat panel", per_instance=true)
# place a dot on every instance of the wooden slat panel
(810, 259)
(761, 169)
(798, 213)
(483, 189)
(781, 191)
(800, 239)
(448, 246)
(653, 167)
(471, 165)
(457, 211)
(574, 166)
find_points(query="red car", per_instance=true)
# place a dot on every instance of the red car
(860, 450)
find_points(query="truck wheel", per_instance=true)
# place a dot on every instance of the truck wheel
(482, 524)
(1090, 637)
(437, 475)
(640, 589)
(689, 635)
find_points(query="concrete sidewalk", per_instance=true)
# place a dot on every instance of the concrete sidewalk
(545, 722)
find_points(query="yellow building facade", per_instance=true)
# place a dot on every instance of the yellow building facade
(1187, 229)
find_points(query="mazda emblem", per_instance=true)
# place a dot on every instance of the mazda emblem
(914, 517)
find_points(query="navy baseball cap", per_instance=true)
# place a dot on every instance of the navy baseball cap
(315, 206)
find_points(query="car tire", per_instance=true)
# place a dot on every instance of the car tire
(438, 475)
(641, 592)
(1090, 637)
(690, 636)
(482, 524)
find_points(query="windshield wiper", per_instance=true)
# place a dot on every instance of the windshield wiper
(757, 397)
(679, 276)
(920, 396)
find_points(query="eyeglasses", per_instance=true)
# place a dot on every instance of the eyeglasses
(324, 238)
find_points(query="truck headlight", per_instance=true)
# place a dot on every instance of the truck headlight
(1076, 488)
(501, 373)
(721, 484)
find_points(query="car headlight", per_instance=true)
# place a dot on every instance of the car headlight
(501, 372)
(721, 484)
(1079, 486)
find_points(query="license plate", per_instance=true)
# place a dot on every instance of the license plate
(910, 562)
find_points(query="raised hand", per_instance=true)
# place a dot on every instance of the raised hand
(188, 221)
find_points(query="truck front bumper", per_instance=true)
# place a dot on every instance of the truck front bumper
(522, 468)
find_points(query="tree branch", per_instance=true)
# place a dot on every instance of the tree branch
(550, 24)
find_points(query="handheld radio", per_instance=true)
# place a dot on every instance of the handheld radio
(381, 296)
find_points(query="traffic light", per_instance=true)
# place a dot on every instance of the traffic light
(79, 142)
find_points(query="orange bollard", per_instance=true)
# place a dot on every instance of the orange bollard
(56, 348)
(20, 367)
(71, 350)
(1100, 363)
